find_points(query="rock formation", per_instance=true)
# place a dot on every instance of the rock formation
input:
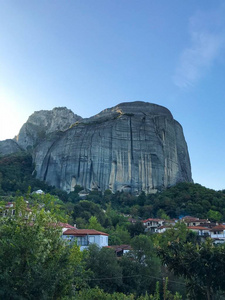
(8, 147)
(133, 146)
(41, 123)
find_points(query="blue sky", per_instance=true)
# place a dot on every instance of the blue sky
(93, 54)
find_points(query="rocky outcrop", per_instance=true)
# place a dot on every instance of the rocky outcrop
(41, 123)
(8, 147)
(133, 147)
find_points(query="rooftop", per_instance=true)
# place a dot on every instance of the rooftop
(83, 232)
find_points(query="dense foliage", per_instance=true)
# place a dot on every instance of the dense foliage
(34, 261)
(180, 200)
(36, 264)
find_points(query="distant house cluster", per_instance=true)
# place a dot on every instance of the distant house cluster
(85, 237)
(202, 227)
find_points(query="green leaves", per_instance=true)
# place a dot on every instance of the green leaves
(34, 261)
(202, 265)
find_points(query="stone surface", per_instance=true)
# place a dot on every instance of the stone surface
(8, 147)
(41, 123)
(135, 146)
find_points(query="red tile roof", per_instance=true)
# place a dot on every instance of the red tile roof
(219, 227)
(119, 248)
(83, 232)
(62, 225)
(65, 225)
(152, 219)
(190, 219)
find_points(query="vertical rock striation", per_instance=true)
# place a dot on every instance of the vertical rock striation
(135, 146)
(8, 147)
(43, 122)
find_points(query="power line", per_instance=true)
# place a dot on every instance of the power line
(131, 276)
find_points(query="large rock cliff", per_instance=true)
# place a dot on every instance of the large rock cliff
(9, 147)
(41, 123)
(134, 147)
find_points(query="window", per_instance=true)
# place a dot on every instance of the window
(91, 239)
(82, 241)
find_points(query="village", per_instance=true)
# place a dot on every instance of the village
(203, 228)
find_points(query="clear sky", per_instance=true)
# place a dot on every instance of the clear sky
(89, 55)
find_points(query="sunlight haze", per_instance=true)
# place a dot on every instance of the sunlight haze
(92, 55)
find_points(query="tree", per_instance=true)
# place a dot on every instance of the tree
(178, 232)
(214, 216)
(140, 266)
(119, 236)
(136, 229)
(94, 224)
(35, 263)
(106, 273)
(201, 265)
(86, 209)
(51, 203)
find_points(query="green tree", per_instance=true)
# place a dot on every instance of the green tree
(119, 236)
(86, 209)
(214, 216)
(51, 203)
(140, 267)
(178, 232)
(201, 265)
(35, 263)
(106, 273)
(99, 294)
(94, 224)
(136, 229)
(162, 215)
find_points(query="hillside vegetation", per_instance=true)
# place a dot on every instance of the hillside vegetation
(174, 202)
(160, 266)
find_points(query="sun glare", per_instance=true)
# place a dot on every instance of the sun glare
(10, 117)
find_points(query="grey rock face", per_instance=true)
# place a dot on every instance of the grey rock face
(133, 147)
(43, 122)
(8, 147)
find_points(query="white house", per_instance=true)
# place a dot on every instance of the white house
(218, 232)
(152, 224)
(39, 192)
(163, 228)
(10, 210)
(200, 230)
(85, 237)
(192, 221)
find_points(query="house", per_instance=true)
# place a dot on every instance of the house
(192, 221)
(132, 220)
(163, 228)
(85, 237)
(120, 250)
(152, 224)
(218, 232)
(83, 194)
(38, 192)
(171, 222)
(201, 231)
(10, 210)
(64, 226)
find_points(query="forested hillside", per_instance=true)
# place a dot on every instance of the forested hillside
(180, 200)
(37, 252)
